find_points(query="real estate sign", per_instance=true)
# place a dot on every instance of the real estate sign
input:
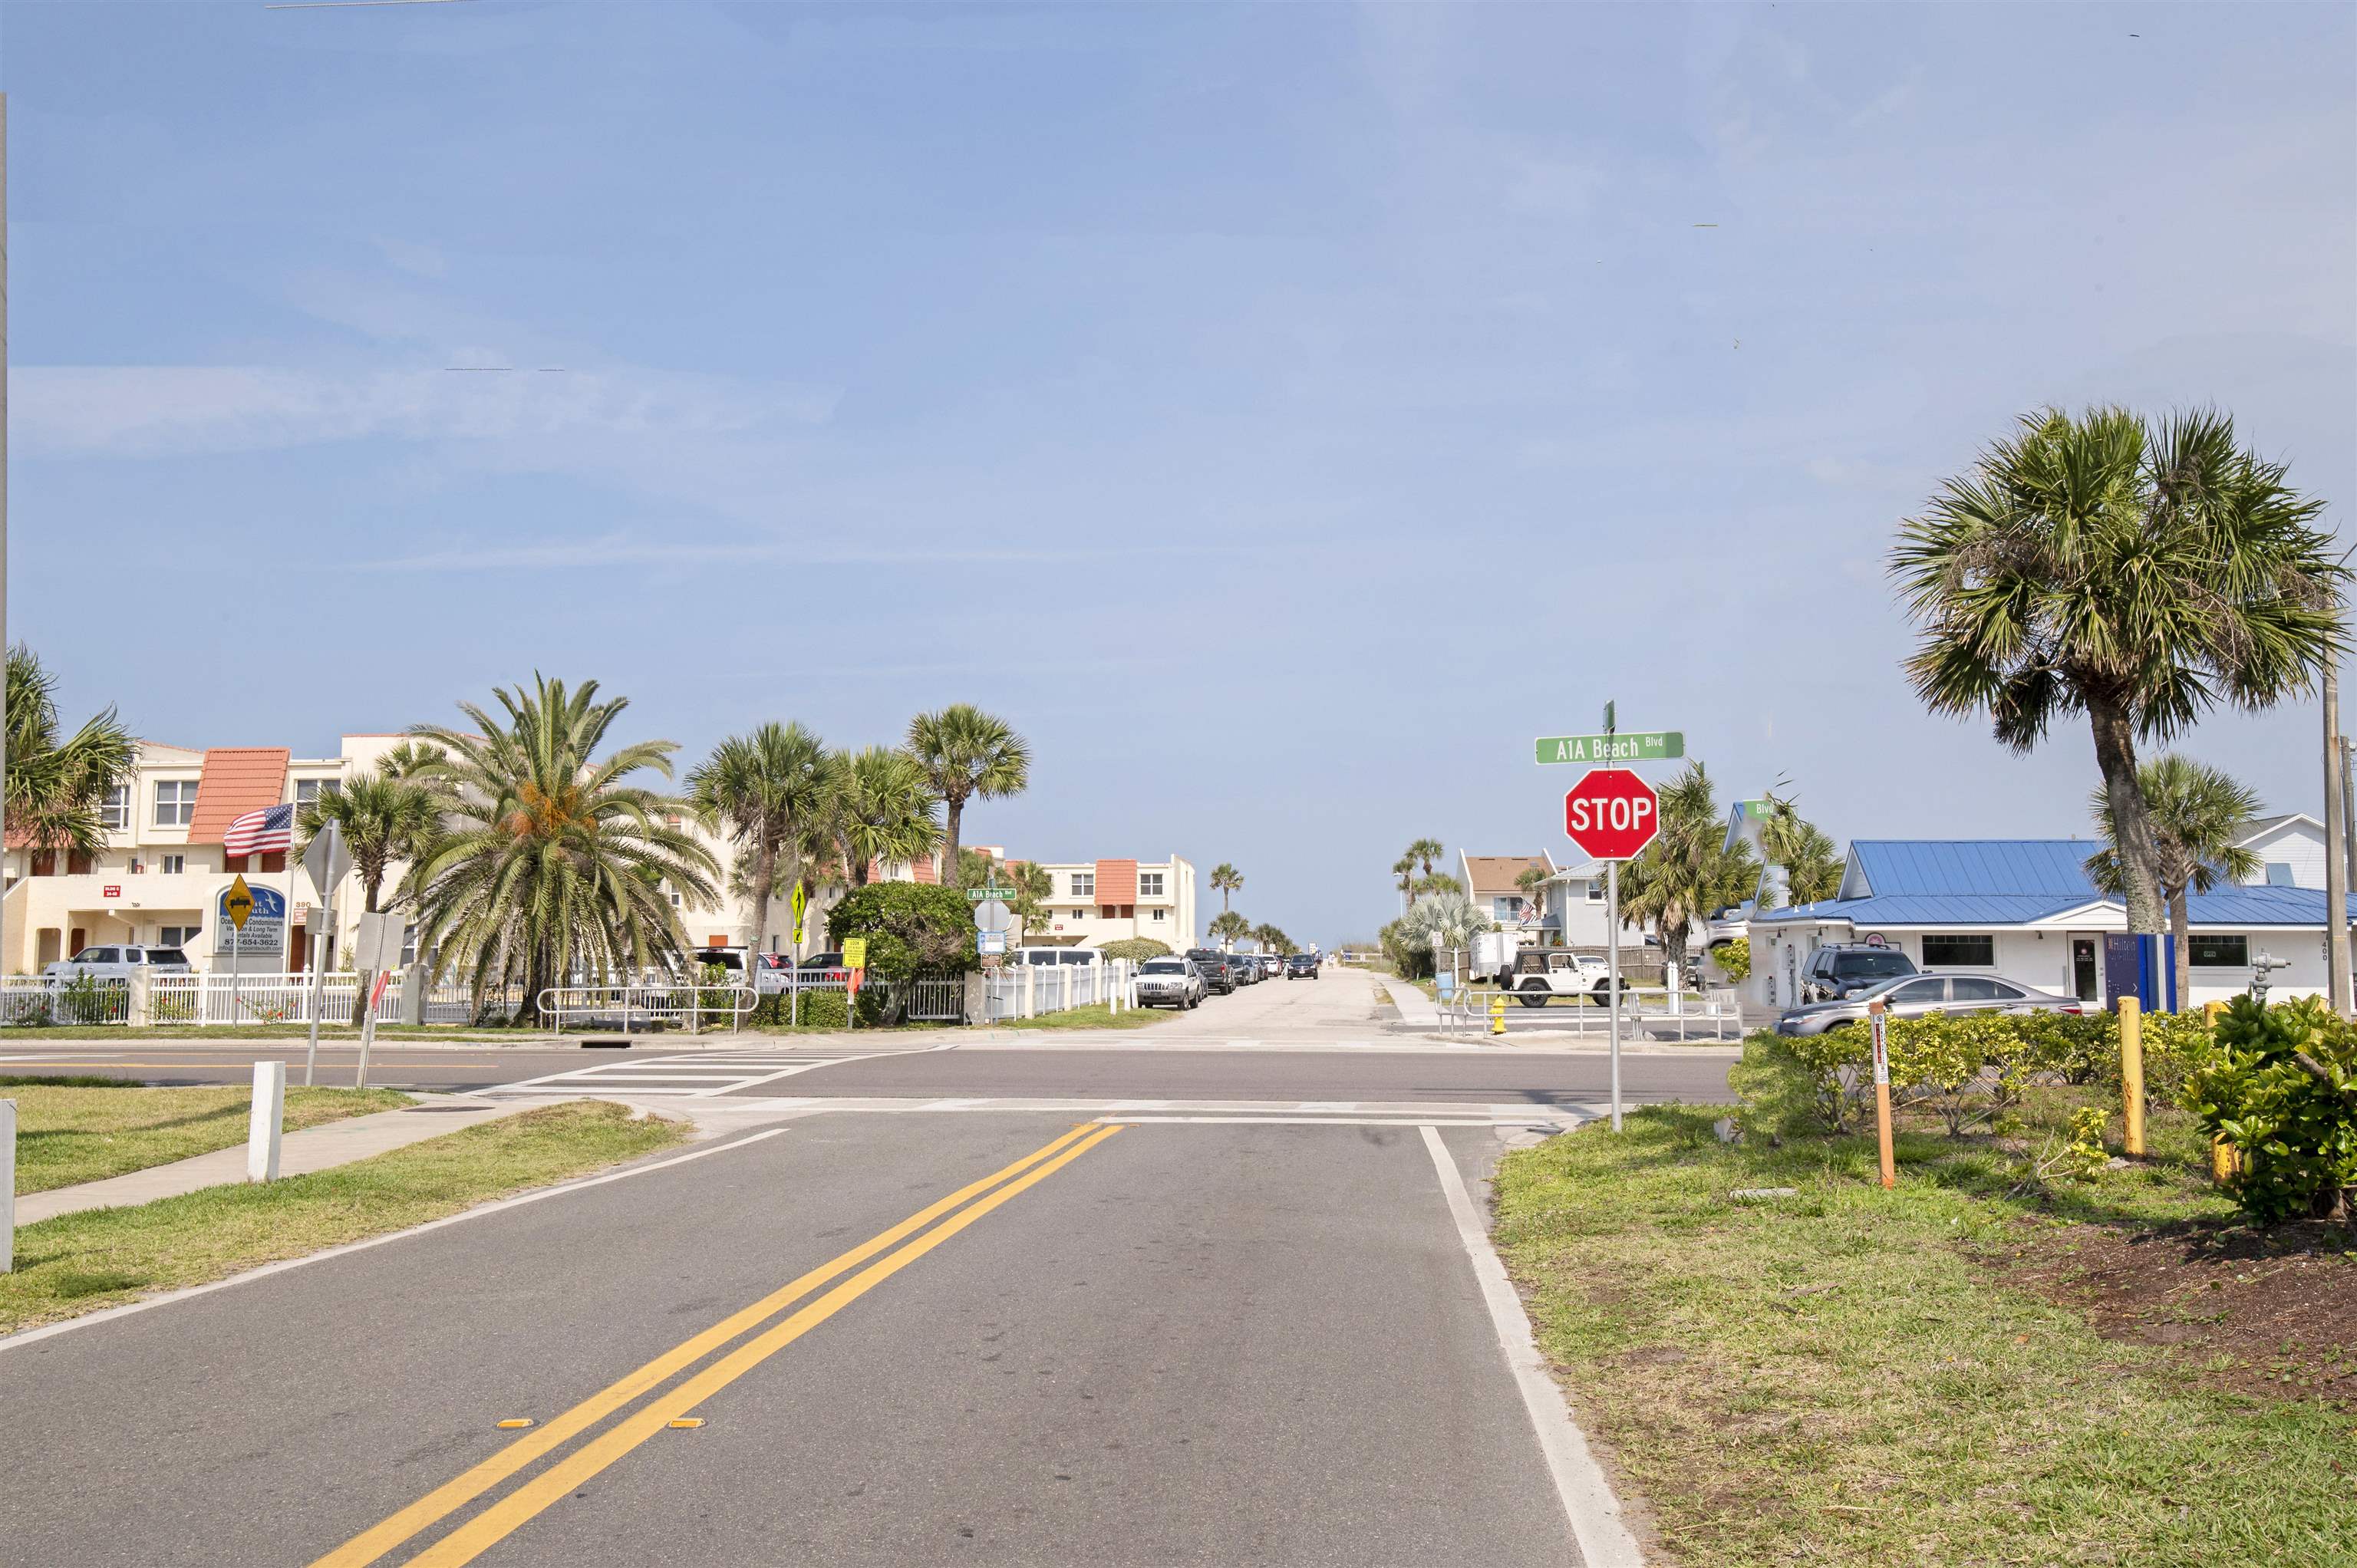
(263, 929)
(1655, 746)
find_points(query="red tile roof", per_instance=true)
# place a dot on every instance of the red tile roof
(237, 779)
(1116, 882)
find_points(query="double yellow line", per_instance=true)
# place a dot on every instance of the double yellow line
(510, 1512)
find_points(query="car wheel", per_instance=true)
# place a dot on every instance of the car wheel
(1533, 993)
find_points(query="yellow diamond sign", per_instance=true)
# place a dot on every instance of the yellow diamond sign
(238, 903)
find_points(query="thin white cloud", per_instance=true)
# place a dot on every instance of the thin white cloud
(624, 550)
(157, 411)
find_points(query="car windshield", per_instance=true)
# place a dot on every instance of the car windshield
(167, 955)
(1166, 966)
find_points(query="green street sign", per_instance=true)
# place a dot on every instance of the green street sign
(982, 895)
(1657, 746)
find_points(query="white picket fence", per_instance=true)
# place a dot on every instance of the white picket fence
(225, 1001)
(1027, 991)
(634, 1009)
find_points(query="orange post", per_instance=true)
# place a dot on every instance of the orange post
(1879, 1025)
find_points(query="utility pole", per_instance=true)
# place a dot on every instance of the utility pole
(2349, 807)
(2336, 848)
(4, 500)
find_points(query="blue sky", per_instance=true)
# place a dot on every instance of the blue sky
(1279, 413)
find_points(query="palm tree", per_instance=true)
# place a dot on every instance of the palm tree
(382, 816)
(2136, 573)
(2198, 813)
(57, 788)
(763, 786)
(1813, 866)
(1405, 869)
(883, 810)
(1451, 917)
(1426, 852)
(966, 752)
(1433, 882)
(1034, 885)
(1688, 871)
(550, 862)
(1270, 937)
(1228, 880)
(1228, 925)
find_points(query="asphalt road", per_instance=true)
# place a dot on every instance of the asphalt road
(1186, 1343)
(1126, 1069)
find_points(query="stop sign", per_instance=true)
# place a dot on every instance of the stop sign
(1611, 814)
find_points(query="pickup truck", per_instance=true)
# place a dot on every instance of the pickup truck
(1538, 975)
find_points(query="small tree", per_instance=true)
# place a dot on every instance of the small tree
(1229, 927)
(911, 926)
(2199, 815)
(1136, 949)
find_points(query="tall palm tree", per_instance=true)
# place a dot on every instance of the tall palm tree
(1270, 938)
(1228, 925)
(1405, 869)
(1426, 852)
(2138, 573)
(1689, 870)
(56, 786)
(763, 786)
(1228, 880)
(382, 816)
(1813, 865)
(883, 810)
(1034, 885)
(966, 752)
(550, 861)
(2198, 813)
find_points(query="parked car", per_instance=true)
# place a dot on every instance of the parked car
(1301, 966)
(821, 966)
(117, 962)
(770, 969)
(1049, 957)
(1851, 969)
(1913, 994)
(1218, 978)
(1169, 983)
(1539, 974)
(1271, 965)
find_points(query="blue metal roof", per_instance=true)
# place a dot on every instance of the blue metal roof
(2053, 867)
(2014, 882)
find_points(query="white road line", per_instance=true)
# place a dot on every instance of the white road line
(734, 1084)
(500, 1205)
(1588, 1502)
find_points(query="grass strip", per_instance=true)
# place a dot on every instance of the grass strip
(73, 1129)
(1831, 1377)
(80, 1262)
(1095, 1016)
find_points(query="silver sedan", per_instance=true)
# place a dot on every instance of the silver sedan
(1911, 996)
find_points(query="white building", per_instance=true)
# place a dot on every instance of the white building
(2290, 850)
(2024, 910)
(158, 880)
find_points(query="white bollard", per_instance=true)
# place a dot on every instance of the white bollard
(262, 1123)
(7, 1186)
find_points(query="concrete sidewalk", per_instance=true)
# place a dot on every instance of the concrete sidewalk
(299, 1153)
(1415, 1009)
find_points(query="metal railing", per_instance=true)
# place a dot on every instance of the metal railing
(1679, 1014)
(646, 1009)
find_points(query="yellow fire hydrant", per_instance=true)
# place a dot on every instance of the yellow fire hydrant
(1497, 1015)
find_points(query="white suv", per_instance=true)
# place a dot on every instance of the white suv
(117, 962)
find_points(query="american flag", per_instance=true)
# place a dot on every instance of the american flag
(269, 831)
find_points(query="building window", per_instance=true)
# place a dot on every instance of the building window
(1959, 951)
(175, 802)
(409, 944)
(1595, 893)
(2279, 874)
(1161, 914)
(307, 791)
(2219, 952)
(1149, 884)
(1084, 885)
(177, 935)
(172, 865)
(114, 812)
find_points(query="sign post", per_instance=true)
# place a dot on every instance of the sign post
(237, 908)
(1612, 816)
(1879, 1023)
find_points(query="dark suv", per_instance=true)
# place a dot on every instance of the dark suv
(1301, 966)
(1837, 973)
(1218, 978)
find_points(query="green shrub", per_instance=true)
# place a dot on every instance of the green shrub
(1137, 949)
(1805, 1083)
(2282, 1087)
(1734, 959)
(911, 926)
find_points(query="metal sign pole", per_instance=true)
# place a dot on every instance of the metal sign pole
(1612, 948)
(327, 903)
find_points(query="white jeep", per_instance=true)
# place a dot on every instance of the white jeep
(1539, 973)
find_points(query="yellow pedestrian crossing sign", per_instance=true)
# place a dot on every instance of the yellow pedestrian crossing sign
(801, 902)
(237, 904)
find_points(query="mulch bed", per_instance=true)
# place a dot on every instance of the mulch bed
(2267, 1313)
